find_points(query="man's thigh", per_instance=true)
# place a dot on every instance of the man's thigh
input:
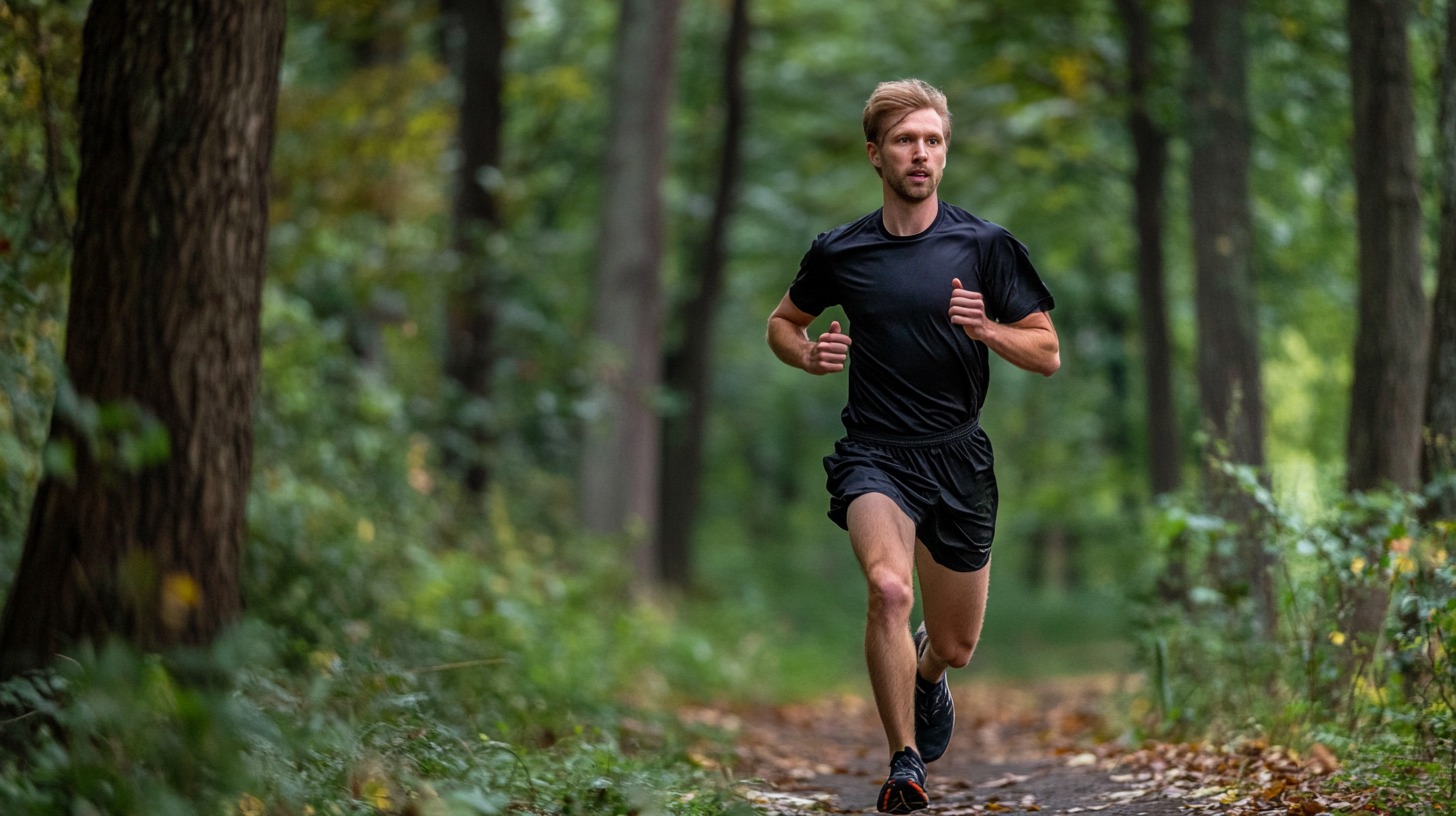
(954, 603)
(882, 535)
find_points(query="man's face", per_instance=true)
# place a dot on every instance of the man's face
(911, 155)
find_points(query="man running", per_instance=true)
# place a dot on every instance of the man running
(928, 288)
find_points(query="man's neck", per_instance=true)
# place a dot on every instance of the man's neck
(903, 217)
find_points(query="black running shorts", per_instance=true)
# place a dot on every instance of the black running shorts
(945, 483)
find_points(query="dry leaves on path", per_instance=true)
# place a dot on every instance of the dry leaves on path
(1255, 778)
(1038, 748)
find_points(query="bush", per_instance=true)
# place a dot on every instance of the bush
(409, 649)
(231, 732)
(1359, 660)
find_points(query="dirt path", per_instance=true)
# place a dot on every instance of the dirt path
(1017, 749)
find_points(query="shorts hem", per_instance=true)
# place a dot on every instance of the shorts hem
(839, 507)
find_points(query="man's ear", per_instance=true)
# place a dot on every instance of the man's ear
(873, 150)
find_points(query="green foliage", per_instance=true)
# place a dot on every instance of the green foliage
(400, 658)
(40, 57)
(122, 733)
(228, 731)
(1361, 658)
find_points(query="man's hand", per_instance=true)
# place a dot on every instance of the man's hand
(968, 310)
(1030, 343)
(829, 352)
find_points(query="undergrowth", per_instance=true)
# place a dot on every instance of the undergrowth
(1381, 696)
(408, 649)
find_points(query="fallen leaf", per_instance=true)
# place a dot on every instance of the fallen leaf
(1322, 760)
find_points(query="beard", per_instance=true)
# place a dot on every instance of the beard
(914, 190)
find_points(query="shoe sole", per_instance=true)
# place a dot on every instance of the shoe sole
(902, 796)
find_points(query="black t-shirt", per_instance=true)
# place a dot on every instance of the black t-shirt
(912, 371)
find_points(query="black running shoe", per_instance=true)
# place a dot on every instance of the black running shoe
(904, 790)
(934, 708)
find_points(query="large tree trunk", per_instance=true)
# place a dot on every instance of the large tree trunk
(1387, 397)
(1440, 448)
(1226, 300)
(177, 110)
(470, 354)
(688, 367)
(1386, 400)
(619, 464)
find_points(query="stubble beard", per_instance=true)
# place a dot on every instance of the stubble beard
(913, 194)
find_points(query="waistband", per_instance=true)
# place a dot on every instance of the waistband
(955, 434)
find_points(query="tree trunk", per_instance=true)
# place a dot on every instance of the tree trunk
(1149, 182)
(1229, 389)
(1387, 397)
(619, 464)
(1440, 430)
(1150, 146)
(177, 110)
(688, 367)
(470, 354)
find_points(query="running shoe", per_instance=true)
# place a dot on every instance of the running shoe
(934, 707)
(904, 790)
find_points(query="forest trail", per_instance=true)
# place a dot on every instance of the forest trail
(1018, 748)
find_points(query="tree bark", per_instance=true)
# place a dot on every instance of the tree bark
(620, 449)
(1150, 148)
(471, 354)
(1149, 184)
(1229, 388)
(1387, 396)
(1386, 400)
(177, 118)
(1440, 431)
(688, 367)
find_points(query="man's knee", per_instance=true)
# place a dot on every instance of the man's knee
(891, 593)
(955, 648)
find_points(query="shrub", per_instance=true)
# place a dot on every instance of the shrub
(1360, 658)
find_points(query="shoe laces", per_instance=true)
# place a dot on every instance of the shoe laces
(906, 763)
(937, 697)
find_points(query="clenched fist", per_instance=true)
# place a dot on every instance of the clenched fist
(968, 310)
(828, 352)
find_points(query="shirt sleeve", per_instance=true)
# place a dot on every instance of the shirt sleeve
(814, 289)
(1010, 283)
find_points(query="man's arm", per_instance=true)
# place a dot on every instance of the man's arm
(1030, 343)
(788, 336)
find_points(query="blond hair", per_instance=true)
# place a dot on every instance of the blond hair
(893, 101)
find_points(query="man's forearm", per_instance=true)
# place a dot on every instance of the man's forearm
(790, 342)
(1034, 348)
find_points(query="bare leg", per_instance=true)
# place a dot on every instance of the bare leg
(955, 608)
(883, 538)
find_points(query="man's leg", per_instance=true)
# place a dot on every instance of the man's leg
(955, 607)
(883, 538)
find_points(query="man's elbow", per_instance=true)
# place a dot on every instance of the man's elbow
(1051, 364)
